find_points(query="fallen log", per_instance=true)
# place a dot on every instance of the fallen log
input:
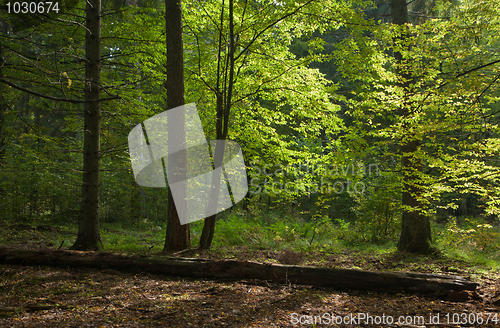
(232, 269)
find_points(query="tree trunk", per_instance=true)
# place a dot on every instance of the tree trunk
(207, 234)
(135, 200)
(222, 124)
(415, 231)
(89, 237)
(177, 237)
(3, 105)
(230, 269)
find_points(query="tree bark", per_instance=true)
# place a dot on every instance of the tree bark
(3, 105)
(230, 269)
(415, 230)
(135, 200)
(89, 237)
(207, 234)
(177, 236)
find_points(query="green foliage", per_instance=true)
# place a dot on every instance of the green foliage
(138, 239)
(452, 101)
(378, 209)
(273, 232)
(469, 235)
(318, 89)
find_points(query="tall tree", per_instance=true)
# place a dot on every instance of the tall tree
(433, 102)
(250, 71)
(3, 105)
(177, 235)
(89, 237)
(416, 232)
(224, 98)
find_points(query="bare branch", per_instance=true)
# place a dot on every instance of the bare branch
(41, 95)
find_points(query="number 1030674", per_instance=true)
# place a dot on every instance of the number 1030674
(32, 7)
(471, 318)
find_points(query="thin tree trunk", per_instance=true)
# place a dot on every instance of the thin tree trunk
(415, 231)
(89, 237)
(135, 200)
(177, 237)
(222, 125)
(208, 231)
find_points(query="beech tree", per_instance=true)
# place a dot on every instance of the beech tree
(427, 103)
(416, 230)
(224, 93)
(243, 75)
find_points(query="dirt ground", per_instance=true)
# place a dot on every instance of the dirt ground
(72, 297)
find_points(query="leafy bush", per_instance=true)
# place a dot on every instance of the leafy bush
(273, 232)
(469, 235)
(378, 209)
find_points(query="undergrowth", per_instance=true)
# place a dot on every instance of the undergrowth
(473, 240)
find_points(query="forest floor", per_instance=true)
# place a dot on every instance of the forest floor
(80, 297)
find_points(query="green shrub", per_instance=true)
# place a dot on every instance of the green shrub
(469, 233)
(378, 210)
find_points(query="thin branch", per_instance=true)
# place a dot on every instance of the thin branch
(211, 88)
(259, 89)
(217, 86)
(197, 46)
(73, 22)
(270, 80)
(129, 39)
(231, 70)
(29, 61)
(107, 13)
(271, 25)
(478, 68)
(41, 95)
(482, 93)
(457, 76)
(219, 28)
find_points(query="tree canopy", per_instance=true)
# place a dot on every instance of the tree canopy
(352, 112)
